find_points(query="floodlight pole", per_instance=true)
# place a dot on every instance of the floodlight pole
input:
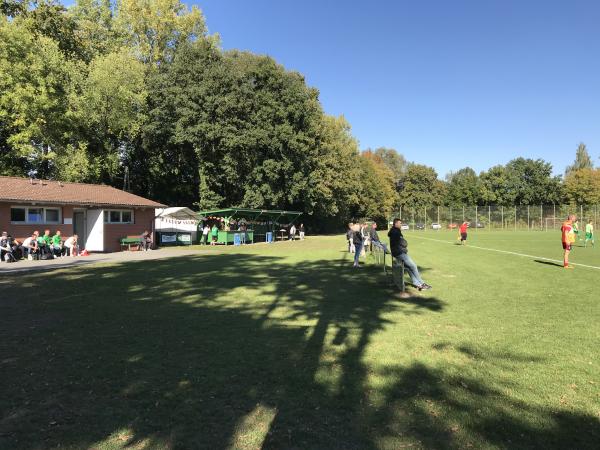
(490, 217)
(502, 215)
(515, 217)
(527, 217)
(476, 219)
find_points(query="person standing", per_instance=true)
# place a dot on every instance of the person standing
(146, 240)
(399, 249)
(568, 238)
(214, 232)
(576, 230)
(589, 233)
(357, 240)
(205, 232)
(292, 232)
(462, 232)
(301, 230)
(350, 238)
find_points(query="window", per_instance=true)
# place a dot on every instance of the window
(52, 215)
(17, 214)
(117, 216)
(34, 215)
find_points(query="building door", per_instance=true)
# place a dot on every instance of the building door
(79, 224)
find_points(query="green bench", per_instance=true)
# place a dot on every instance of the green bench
(128, 241)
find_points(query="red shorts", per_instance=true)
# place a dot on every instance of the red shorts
(566, 246)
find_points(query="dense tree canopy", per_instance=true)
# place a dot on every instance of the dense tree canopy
(103, 90)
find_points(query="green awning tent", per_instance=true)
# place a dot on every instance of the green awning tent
(259, 220)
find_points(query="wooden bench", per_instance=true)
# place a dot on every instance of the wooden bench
(129, 241)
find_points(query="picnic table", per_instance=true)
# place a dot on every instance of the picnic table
(283, 231)
(129, 241)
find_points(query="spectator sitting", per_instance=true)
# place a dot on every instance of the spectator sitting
(44, 243)
(399, 248)
(56, 244)
(30, 246)
(6, 252)
(70, 246)
(146, 239)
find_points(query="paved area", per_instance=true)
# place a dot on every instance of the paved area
(67, 261)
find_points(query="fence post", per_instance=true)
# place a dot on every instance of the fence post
(463, 213)
(527, 217)
(476, 220)
(490, 217)
(502, 215)
(438, 221)
(515, 217)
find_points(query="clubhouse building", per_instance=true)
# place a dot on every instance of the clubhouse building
(100, 215)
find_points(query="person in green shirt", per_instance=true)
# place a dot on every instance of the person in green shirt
(214, 232)
(56, 244)
(44, 243)
(576, 230)
(589, 233)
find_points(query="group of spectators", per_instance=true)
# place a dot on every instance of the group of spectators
(360, 236)
(37, 247)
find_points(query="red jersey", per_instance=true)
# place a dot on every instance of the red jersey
(463, 228)
(568, 236)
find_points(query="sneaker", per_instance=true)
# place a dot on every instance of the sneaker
(29, 257)
(424, 287)
(569, 267)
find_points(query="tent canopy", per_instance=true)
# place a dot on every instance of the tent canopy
(251, 214)
(177, 212)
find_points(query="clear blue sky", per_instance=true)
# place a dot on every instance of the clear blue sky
(447, 83)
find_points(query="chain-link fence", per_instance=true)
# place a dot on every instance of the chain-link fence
(522, 217)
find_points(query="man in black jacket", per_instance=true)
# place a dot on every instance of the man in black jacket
(399, 249)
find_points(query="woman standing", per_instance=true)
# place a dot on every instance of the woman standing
(357, 240)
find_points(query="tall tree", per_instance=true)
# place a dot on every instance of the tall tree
(532, 182)
(154, 29)
(393, 160)
(582, 160)
(582, 186)
(463, 187)
(420, 187)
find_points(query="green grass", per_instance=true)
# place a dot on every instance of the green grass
(286, 346)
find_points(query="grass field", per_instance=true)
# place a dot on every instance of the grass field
(285, 346)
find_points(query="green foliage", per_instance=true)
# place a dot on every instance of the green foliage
(463, 187)
(582, 186)
(90, 92)
(393, 160)
(420, 187)
(582, 160)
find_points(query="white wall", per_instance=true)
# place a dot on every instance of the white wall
(95, 228)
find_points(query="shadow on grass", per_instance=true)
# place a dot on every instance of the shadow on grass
(548, 263)
(226, 351)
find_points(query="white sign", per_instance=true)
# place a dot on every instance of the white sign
(185, 237)
(168, 238)
(68, 221)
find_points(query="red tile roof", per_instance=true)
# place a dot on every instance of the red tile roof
(44, 191)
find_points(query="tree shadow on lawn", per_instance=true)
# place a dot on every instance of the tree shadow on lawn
(212, 351)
